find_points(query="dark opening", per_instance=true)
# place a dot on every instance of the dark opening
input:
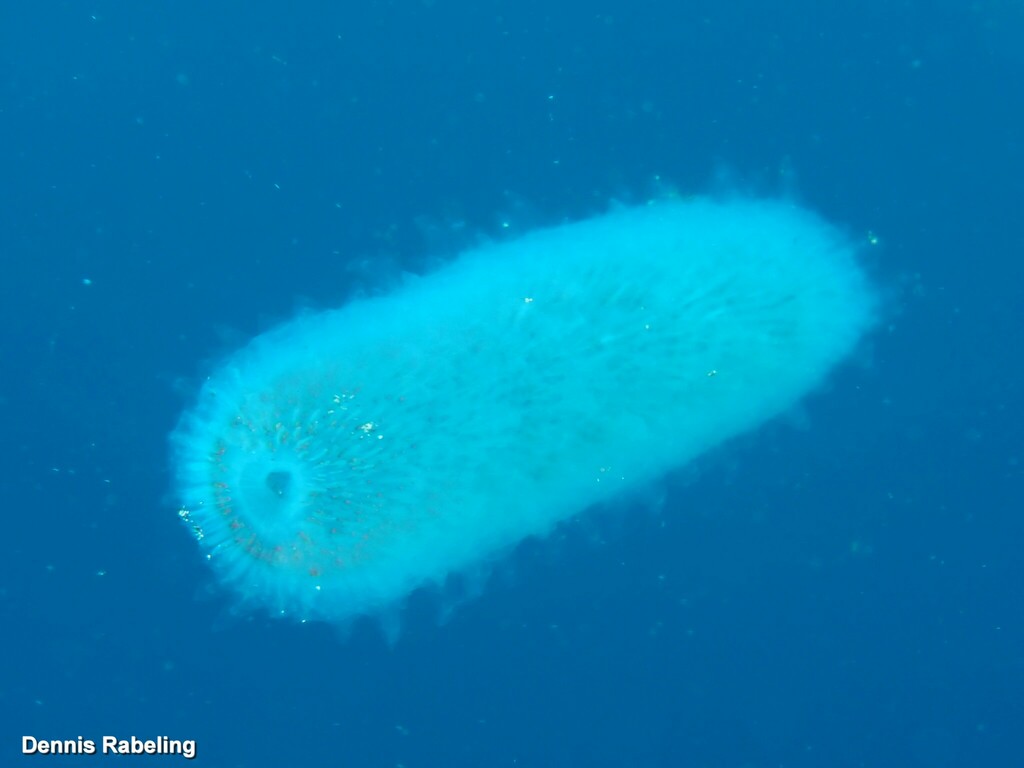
(279, 483)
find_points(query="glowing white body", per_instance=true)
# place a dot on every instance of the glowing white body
(346, 458)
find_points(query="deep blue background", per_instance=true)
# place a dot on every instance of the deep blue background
(841, 589)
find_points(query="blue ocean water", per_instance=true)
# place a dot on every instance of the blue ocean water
(843, 588)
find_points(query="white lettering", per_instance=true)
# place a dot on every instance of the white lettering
(30, 745)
